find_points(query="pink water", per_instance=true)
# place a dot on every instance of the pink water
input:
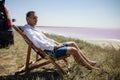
(84, 33)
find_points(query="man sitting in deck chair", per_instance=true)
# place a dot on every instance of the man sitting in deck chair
(58, 49)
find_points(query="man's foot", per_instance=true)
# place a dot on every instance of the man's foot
(93, 63)
(89, 68)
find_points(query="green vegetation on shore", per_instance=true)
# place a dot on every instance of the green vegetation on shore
(13, 58)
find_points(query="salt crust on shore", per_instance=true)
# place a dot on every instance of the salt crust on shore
(105, 43)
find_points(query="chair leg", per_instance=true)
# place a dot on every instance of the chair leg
(28, 57)
(65, 61)
(57, 66)
(68, 65)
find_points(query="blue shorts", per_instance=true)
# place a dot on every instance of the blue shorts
(59, 52)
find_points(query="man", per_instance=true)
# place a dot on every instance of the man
(60, 49)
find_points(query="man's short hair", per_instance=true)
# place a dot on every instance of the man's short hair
(29, 13)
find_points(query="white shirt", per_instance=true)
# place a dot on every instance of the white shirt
(38, 38)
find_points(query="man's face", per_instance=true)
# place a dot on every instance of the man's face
(32, 19)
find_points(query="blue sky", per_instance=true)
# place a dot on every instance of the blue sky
(75, 13)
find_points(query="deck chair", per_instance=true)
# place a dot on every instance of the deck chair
(40, 54)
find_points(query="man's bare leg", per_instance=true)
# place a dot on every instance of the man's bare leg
(73, 44)
(75, 53)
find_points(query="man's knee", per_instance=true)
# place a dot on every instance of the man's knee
(72, 50)
(72, 43)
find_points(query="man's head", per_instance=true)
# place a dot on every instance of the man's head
(31, 18)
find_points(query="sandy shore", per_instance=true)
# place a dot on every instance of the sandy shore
(106, 43)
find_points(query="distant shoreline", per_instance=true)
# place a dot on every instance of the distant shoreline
(83, 33)
(76, 27)
(112, 43)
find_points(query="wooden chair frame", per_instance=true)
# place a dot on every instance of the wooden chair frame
(49, 59)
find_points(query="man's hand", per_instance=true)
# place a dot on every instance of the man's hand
(58, 45)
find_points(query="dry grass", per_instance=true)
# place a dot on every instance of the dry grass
(13, 58)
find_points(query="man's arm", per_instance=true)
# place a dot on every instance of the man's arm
(38, 42)
(58, 45)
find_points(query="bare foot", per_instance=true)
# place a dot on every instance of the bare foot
(93, 63)
(89, 67)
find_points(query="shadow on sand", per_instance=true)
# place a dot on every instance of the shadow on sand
(44, 75)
